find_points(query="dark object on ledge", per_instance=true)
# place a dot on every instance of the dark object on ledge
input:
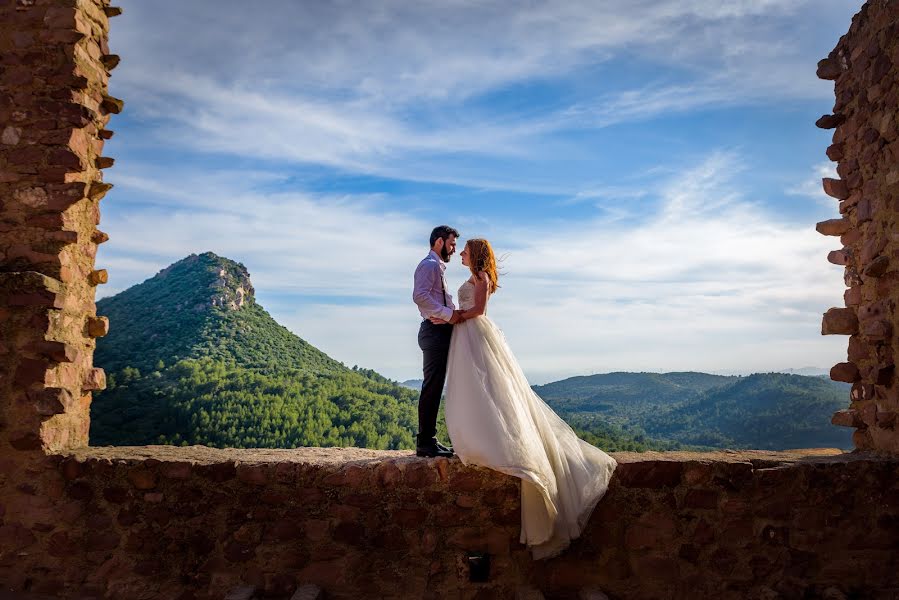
(478, 567)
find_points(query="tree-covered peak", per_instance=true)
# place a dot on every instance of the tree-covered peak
(192, 358)
(201, 306)
(202, 281)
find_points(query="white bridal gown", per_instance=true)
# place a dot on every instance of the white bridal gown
(495, 420)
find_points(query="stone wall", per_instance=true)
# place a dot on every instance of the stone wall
(865, 119)
(162, 522)
(54, 109)
(192, 523)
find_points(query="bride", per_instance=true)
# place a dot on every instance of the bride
(495, 420)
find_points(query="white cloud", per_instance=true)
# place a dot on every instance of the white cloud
(678, 269)
(365, 87)
(393, 51)
(711, 281)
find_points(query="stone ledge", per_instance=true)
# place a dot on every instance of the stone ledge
(161, 521)
(204, 455)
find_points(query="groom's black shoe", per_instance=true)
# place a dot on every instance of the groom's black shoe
(433, 451)
(431, 448)
(444, 448)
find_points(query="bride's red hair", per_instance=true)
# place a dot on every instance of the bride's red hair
(482, 259)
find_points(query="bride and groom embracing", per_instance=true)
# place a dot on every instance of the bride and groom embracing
(493, 416)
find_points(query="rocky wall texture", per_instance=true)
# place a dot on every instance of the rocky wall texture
(193, 523)
(54, 108)
(865, 120)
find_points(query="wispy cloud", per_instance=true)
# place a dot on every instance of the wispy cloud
(365, 88)
(708, 279)
(705, 280)
(654, 249)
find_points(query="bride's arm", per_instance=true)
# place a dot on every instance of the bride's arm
(481, 286)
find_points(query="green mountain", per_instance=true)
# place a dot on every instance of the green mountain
(625, 394)
(192, 358)
(772, 411)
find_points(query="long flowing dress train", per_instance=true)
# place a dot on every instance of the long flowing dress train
(496, 420)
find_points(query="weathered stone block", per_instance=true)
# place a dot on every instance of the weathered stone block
(99, 237)
(112, 105)
(839, 321)
(859, 349)
(851, 277)
(98, 277)
(847, 372)
(253, 474)
(98, 190)
(830, 121)
(873, 310)
(829, 68)
(11, 135)
(872, 247)
(877, 330)
(840, 257)
(877, 267)
(110, 61)
(94, 380)
(852, 296)
(50, 401)
(97, 326)
(835, 188)
(31, 371)
(56, 351)
(846, 418)
(833, 226)
(835, 152)
(865, 210)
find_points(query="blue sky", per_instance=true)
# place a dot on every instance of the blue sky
(650, 170)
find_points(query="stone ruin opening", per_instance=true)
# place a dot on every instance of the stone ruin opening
(193, 522)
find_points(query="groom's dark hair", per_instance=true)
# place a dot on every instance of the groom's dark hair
(442, 233)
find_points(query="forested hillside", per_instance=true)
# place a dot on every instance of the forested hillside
(193, 359)
(765, 411)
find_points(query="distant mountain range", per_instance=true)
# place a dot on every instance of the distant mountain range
(809, 371)
(192, 358)
(771, 411)
(413, 384)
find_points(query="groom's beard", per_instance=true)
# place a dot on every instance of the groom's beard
(445, 255)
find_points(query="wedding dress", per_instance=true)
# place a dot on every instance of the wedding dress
(495, 420)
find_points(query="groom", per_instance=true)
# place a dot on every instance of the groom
(434, 300)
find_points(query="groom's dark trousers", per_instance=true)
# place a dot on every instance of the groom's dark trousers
(434, 341)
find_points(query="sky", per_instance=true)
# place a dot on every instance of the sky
(648, 170)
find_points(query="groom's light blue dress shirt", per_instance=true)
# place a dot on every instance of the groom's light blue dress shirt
(430, 287)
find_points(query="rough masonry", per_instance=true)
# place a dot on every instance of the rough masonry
(864, 66)
(54, 109)
(192, 523)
